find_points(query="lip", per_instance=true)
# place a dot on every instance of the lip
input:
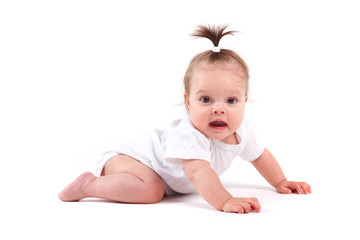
(218, 124)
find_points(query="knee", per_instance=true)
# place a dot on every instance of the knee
(155, 191)
(155, 196)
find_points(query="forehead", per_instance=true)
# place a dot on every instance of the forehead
(222, 75)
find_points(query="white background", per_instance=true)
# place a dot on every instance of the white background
(77, 76)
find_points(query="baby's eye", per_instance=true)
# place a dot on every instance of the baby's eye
(232, 100)
(205, 100)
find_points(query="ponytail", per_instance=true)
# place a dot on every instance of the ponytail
(213, 33)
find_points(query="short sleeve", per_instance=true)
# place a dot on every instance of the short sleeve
(253, 147)
(190, 144)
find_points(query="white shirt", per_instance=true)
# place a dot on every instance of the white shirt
(163, 150)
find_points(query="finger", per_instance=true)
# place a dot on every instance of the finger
(255, 205)
(246, 207)
(306, 188)
(309, 187)
(284, 189)
(303, 187)
(294, 187)
(239, 209)
(298, 188)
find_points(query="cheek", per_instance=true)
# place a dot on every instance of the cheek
(238, 116)
(198, 115)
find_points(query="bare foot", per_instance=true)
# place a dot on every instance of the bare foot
(77, 189)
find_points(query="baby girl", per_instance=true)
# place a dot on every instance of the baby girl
(193, 151)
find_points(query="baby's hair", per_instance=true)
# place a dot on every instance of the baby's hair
(213, 33)
(216, 55)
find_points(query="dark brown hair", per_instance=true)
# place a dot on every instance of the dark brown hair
(214, 34)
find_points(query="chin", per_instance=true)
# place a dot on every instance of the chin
(218, 137)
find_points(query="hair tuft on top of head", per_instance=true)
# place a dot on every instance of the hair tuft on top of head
(215, 56)
(214, 33)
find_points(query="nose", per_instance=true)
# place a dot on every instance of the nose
(218, 109)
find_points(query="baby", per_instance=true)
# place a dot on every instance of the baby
(194, 150)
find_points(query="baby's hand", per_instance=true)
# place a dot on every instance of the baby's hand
(241, 205)
(290, 186)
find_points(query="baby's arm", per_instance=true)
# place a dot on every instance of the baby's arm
(270, 169)
(209, 186)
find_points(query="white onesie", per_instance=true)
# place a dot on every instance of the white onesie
(162, 151)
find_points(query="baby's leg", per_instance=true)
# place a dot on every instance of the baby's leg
(124, 179)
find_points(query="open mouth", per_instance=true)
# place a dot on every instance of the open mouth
(218, 124)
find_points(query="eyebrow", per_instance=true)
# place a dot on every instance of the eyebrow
(200, 92)
(230, 93)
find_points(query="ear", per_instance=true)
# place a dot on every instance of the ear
(187, 102)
